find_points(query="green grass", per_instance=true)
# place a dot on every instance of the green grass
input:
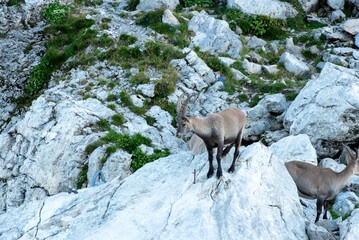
(82, 177)
(177, 35)
(261, 26)
(117, 119)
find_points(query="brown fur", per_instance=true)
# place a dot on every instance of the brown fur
(319, 183)
(216, 130)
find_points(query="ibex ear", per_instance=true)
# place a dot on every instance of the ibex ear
(350, 152)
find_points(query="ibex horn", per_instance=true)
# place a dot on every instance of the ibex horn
(179, 101)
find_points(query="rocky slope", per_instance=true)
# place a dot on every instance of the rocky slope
(92, 85)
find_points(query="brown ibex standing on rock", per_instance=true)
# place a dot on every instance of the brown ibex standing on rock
(322, 184)
(216, 130)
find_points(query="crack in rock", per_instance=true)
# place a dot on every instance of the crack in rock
(38, 224)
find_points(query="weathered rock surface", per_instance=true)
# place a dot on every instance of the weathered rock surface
(247, 203)
(298, 148)
(327, 110)
(214, 35)
(169, 18)
(309, 5)
(294, 65)
(272, 8)
(150, 5)
(336, 4)
(349, 229)
(351, 26)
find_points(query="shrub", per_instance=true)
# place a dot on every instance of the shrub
(117, 119)
(56, 13)
(103, 124)
(111, 149)
(132, 4)
(82, 177)
(150, 120)
(139, 159)
(127, 39)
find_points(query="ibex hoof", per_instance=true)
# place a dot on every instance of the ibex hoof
(210, 174)
(219, 175)
(231, 169)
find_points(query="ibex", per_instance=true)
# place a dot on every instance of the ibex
(322, 184)
(216, 130)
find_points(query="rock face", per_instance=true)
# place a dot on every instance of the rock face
(349, 229)
(327, 110)
(247, 203)
(214, 35)
(336, 4)
(272, 8)
(150, 5)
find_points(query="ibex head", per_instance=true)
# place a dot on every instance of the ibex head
(183, 122)
(353, 159)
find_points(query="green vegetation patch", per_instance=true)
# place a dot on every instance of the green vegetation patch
(139, 159)
(177, 35)
(259, 25)
(71, 34)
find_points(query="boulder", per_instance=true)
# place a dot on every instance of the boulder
(336, 4)
(356, 40)
(169, 18)
(214, 35)
(337, 15)
(327, 57)
(271, 8)
(351, 26)
(316, 232)
(294, 65)
(256, 43)
(327, 110)
(297, 148)
(309, 5)
(349, 228)
(345, 203)
(150, 5)
(251, 68)
(248, 203)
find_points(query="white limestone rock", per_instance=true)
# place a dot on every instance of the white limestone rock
(251, 68)
(327, 110)
(336, 4)
(214, 35)
(349, 228)
(327, 57)
(316, 232)
(337, 15)
(345, 203)
(150, 5)
(118, 165)
(169, 18)
(309, 5)
(294, 65)
(249, 198)
(271, 8)
(351, 26)
(297, 148)
(256, 42)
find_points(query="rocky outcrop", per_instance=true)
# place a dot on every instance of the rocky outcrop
(150, 5)
(214, 35)
(293, 65)
(271, 8)
(247, 203)
(327, 110)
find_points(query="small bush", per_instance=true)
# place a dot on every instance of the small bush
(111, 149)
(56, 13)
(117, 119)
(112, 97)
(103, 124)
(140, 78)
(132, 4)
(28, 49)
(15, 2)
(112, 106)
(127, 40)
(104, 26)
(150, 120)
(91, 147)
(139, 159)
(82, 177)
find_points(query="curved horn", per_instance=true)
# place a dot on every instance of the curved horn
(185, 105)
(350, 152)
(179, 101)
